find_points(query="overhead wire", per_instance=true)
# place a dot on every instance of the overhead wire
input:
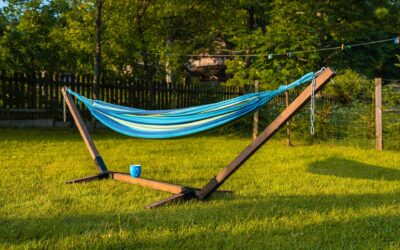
(289, 53)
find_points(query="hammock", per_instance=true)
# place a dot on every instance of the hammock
(162, 124)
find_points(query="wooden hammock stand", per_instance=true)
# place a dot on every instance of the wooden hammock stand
(181, 193)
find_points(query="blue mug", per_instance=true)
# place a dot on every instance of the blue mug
(135, 170)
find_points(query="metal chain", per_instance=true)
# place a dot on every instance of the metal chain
(312, 101)
(312, 107)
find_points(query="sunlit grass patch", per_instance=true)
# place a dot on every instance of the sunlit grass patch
(319, 196)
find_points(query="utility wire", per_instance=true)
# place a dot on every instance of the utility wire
(289, 53)
(391, 80)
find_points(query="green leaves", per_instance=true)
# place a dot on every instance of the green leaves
(298, 26)
(350, 86)
(143, 35)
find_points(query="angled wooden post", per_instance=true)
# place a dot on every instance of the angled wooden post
(101, 166)
(222, 176)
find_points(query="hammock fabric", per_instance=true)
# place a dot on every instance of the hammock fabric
(161, 124)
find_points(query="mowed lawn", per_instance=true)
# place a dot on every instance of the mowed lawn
(325, 196)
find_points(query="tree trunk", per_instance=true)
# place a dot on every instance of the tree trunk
(97, 60)
(144, 50)
(251, 20)
(250, 26)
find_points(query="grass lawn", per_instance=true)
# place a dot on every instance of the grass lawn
(321, 196)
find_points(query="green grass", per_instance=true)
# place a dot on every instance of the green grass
(321, 196)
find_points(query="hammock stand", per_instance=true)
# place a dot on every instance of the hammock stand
(182, 193)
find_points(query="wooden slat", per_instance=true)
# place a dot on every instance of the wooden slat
(51, 91)
(11, 94)
(163, 86)
(217, 181)
(135, 98)
(126, 96)
(179, 95)
(153, 184)
(20, 87)
(39, 92)
(157, 94)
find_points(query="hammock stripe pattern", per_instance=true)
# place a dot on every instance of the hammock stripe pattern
(162, 124)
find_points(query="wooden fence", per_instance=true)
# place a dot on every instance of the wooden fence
(39, 96)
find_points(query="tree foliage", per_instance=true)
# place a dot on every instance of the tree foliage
(142, 37)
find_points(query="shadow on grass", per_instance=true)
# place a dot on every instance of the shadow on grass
(341, 167)
(221, 224)
(58, 135)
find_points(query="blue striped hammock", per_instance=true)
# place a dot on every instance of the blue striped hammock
(161, 124)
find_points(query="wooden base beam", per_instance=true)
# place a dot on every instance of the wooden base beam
(153, 184)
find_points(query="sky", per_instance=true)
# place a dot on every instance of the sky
(3, 3)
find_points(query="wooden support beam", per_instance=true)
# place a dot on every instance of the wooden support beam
(378, 113)
(157, 185)
(83, 131)
(218, 180)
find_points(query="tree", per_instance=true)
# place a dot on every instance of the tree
(311, 25)
(97, 61)
(139, 36)
(25, 39)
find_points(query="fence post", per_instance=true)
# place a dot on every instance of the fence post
(289, 142)
(378, 113)
(256, 114)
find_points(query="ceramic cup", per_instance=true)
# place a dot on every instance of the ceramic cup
(135, 170)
